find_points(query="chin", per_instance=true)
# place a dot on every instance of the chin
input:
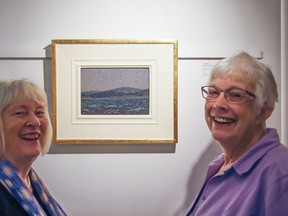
(33, 154)
(219, 136)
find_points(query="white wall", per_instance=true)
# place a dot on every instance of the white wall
(284, 68)
(138, 180)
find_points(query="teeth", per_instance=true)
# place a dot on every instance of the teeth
(223, 120)
(30, 136)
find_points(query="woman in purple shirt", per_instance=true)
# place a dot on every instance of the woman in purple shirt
(251, 176)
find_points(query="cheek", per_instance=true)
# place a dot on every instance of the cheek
(207, 109)
(46, 127)
(11, 128)
(43, 127)
(44, 122)
(250, 111)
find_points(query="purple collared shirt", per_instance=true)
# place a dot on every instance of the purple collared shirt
(256, 184)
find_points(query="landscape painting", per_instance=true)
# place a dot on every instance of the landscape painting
(115, 91)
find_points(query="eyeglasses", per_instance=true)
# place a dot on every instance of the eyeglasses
(231, 95)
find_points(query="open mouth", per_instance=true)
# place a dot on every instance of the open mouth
(222, 120)
(32, 136)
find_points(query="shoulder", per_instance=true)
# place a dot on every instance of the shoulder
(278, 157)
(270, 154)
(273, 167)
(8, 204)
(277, 181)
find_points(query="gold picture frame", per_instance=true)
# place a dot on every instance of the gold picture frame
(146, 66)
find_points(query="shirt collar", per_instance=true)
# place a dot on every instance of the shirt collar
(268, 141)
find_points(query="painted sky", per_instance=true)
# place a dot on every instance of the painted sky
(109, 78)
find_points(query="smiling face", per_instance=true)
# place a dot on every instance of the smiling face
(234, 125)
(25, 124)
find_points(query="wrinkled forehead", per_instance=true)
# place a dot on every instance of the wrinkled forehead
(237, 75)
(27, 94)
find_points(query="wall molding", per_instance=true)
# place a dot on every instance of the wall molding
(203, 54)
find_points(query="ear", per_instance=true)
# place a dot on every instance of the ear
(265, 113)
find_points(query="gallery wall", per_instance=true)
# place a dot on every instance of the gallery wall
(142, 180)
(284, 68)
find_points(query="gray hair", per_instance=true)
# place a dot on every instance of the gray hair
(246, 68)
(12, 90)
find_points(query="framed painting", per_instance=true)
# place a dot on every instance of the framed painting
(114, 91)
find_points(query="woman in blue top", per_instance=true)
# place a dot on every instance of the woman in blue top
(25, 133)
(251, 176)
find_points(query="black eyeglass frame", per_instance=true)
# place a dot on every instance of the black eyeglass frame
(226, 92)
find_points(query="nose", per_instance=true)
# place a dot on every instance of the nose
(33, 120)
(220, 102)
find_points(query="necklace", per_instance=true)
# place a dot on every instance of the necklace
(28, 182)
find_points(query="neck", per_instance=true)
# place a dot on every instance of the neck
(233, 152)
(22, 165)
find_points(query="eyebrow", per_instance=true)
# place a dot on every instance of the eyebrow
(231, 87)
(23, 106)
(235, 87)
